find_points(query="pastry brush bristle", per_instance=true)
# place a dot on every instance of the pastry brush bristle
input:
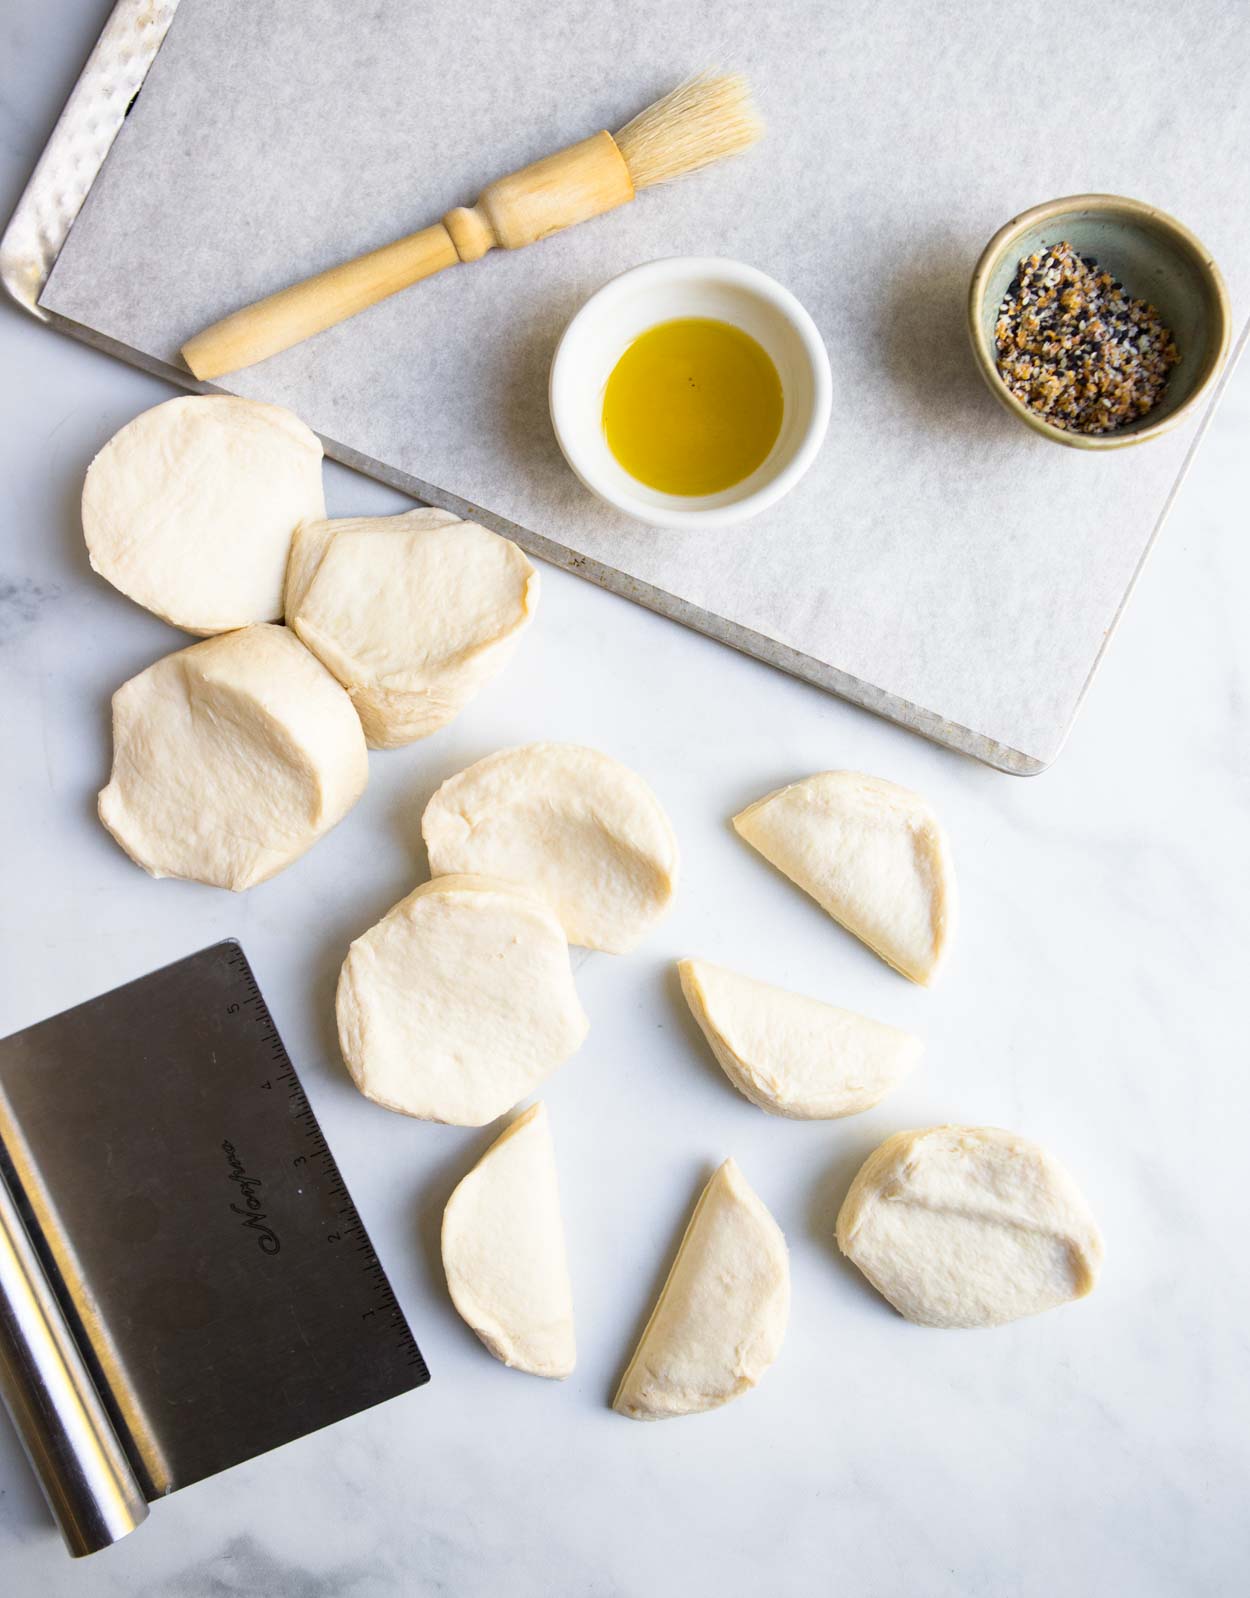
(700, 121)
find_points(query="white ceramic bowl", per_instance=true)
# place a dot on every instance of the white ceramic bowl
(610, 320)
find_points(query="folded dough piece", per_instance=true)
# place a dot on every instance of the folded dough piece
(230, 758)
(413, 614)
(871, 854)
(721, 1315)
(578, 827)
(503, 1251)
(969, 1226)
(792, 1055)
(313, 538)
(190, 508)
(458, 1002)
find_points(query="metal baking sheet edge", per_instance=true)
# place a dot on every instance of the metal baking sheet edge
(57, 189)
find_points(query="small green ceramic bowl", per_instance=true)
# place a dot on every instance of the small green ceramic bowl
(1155, 257)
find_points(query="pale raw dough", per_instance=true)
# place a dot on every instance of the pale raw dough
(721, 1315)
(313, 538)
(579, 828)
(792, 1055)
(969, 1226)
(503, 1251)
(190, 509)
(230, 758)
(458, 1002)
(871, 854)
(413, 614)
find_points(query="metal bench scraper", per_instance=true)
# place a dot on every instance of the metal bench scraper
(184, 1279)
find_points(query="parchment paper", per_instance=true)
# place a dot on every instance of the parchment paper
(937, 550)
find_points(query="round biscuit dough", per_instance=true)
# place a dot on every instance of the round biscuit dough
(579, 828)
(458, 1002)
(189, 509)
(230, 758)
(412, 613)
(969, 1226)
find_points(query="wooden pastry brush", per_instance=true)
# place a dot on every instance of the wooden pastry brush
(699, 122)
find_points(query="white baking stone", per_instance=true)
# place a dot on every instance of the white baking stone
(939, 563)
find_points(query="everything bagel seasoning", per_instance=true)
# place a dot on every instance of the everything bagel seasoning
(1075, 349)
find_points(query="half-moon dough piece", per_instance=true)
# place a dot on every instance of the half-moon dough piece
(579, 828)
(721, 1315)
(503, 1251)
(413, 613)
(190, 509)
(969, 1226)
(871, 854)
(458, 1002)
(230, 758)
(793, 1055)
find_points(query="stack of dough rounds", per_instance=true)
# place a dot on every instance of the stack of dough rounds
(575, 826)
(190, 509)
(413, 614)
(969, 1226)
(719, 1321)
(503, 1251)
(871, 854)
(792, 1055)
(458, 1002)
(230, 758)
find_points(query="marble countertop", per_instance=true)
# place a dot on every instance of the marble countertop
(1093, 1002)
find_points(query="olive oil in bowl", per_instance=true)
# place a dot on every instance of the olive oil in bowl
(692, 407)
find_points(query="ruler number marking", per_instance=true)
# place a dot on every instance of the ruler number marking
(351, 1227)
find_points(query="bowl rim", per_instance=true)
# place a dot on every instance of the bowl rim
(724, 269)
(1137, 211)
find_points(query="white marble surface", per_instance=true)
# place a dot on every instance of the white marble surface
(1093, 1002)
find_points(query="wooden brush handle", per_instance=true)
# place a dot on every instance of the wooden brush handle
(574, 184)
(570, 186)
(296, 313)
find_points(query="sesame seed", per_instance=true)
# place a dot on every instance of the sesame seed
(1075, 349)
